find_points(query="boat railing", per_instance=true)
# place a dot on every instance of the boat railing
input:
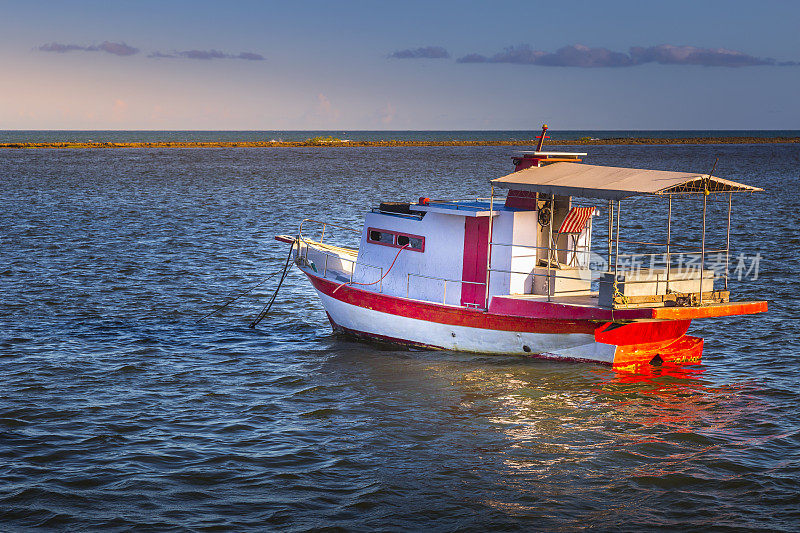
(625, 266)
(444, 289)
(635, 263)
(552, 275)
(512, 245)
(326, 268)
(324, 226)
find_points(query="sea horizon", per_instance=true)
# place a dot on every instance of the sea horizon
(61, 135)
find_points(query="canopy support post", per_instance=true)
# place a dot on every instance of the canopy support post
(489, 246)
(703, 249)
(706, 192)
(610, 229)
(669, 238)
(616, 255)
(550, 244)
(728, 239)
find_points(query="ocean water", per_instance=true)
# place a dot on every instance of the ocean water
(120, 411)
(364, 135)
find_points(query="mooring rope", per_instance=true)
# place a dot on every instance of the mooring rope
(263, 313)
(229, 302)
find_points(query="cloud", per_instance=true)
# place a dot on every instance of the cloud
(585, 57)
(325, 109)
(60, 48)
(387, 113)
(427, 52)
(203, 54)
(569, 56)
(667, 54)
(122, 49)
(207, 55)
(581, 56)
(119, 110)
(321, 114)
(117, 49)
(250, 56)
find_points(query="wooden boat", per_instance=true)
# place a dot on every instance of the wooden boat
(517, 276)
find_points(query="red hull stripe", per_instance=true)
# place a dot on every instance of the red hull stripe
(642, 332)
(503, 305)
(638, 336)
(402, 342)
(455, 316)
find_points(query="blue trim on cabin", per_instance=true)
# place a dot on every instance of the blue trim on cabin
(473, 205)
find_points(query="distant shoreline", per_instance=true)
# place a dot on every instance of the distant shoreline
(337, 143)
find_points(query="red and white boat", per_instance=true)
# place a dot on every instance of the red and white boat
(516, 275)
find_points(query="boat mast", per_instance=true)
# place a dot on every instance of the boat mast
(541, 138)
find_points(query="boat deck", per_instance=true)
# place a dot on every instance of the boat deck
(585, 307)
(560, 307)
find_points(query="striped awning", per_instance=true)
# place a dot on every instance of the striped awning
(576, 219)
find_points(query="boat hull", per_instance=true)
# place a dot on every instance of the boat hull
(367, 314)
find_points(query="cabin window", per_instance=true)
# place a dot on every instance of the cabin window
(396, 239)
(382, 237)
(415, 243)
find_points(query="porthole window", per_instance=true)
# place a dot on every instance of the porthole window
(396, 239)
(381, 236)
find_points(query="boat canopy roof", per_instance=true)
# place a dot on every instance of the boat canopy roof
(613, 183)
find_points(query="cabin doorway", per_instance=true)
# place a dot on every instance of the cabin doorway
(476, 247)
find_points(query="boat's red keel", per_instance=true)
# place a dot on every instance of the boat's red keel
(651, 343)
(684, 350)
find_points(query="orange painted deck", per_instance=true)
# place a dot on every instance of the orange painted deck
(586, 308)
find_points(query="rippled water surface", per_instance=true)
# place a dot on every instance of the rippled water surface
(119, 410)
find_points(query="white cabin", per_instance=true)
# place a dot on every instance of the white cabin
(437, 250)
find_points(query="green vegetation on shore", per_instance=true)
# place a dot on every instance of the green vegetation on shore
(335, 142)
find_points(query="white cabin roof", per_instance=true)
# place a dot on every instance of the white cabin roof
(613, 183)
(464, 208)
(560, 154)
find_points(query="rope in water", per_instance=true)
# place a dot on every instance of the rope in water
(229, 302)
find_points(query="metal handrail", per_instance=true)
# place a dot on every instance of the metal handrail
(554, 274)
(444, 290)
(302, 238)
(678, 254)
(537, 247)
(354, 262)
(327, 224)
(531, 273)
(324, 226)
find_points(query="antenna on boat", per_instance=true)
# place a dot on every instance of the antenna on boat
(541, 138)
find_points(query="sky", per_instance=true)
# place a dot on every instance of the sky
(372, 65)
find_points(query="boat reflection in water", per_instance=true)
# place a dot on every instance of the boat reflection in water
(601, 431)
